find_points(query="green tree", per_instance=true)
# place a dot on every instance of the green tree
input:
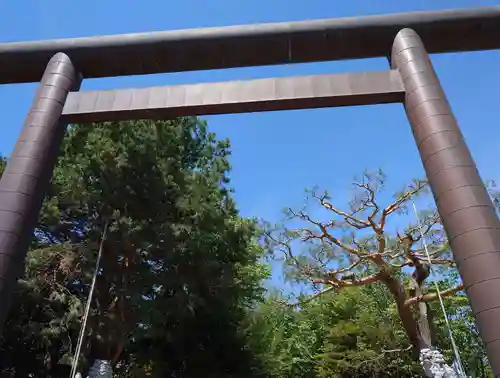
(179, 266)
(355, 332)
(285, 339)
(352, 333)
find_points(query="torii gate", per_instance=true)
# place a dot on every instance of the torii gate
(468, 215)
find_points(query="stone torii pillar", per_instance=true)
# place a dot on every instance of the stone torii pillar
(467, 212)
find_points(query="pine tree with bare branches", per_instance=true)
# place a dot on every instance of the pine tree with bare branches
(331, 249)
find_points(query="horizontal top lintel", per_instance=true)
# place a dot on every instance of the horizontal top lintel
(253, 45)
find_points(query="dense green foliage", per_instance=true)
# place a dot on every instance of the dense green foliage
(180, 286)
(179, 266)
(354, 333)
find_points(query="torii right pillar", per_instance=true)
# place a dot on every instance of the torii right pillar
(467, 212)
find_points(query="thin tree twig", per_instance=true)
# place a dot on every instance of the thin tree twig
(383, 353)
(349, 218)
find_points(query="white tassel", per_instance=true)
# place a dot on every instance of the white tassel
(432, 360)
(101, 369)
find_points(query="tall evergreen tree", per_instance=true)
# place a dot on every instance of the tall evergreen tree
(179, 266)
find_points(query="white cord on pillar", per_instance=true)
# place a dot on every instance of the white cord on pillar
(458, 361)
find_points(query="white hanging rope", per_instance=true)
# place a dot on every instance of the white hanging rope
(448, 325)
(81, 336)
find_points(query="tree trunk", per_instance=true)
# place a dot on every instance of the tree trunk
(423, 326)
(410, 325)
(419, 331)
(110, 323)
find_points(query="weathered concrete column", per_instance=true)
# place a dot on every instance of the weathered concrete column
(468, 215)
(29, 170)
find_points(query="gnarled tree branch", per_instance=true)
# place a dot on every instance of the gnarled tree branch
(433, 296)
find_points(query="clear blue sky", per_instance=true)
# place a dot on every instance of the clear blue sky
(276, 155)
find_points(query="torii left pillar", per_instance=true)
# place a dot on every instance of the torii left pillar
(29, 169)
